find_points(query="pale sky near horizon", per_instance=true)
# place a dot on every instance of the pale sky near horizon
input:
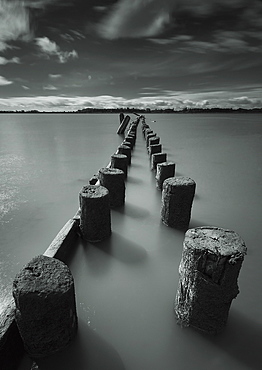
(68, 55)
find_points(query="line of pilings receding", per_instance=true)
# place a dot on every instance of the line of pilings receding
(211, 257)
(43, 290)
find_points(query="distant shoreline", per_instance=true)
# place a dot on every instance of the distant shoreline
(139, 111)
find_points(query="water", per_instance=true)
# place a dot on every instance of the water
(125, 286)
(44, 161)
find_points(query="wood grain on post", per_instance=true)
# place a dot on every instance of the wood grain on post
(209, 269)
(45, 306)
(95, 216)
(177, 199)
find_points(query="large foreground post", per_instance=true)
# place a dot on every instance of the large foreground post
(95, 216)
(177, 199)
(209, 269)
(45, 306)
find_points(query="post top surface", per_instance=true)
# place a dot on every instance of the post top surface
(45, 275)
(118, 155)
(178, 181)
(94, 191)
(217, 240)
(111, 171)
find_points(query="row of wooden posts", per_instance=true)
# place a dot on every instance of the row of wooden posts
(44, 289)
(211, 257)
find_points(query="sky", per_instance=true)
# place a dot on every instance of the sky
(65, 55)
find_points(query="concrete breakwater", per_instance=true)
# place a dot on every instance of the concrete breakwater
(140, 185)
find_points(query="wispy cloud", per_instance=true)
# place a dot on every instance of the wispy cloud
(149, 18)
(50, 48)
(14, 22)
(4, 81)
(15, 19)
(54, 76)
(50, 87)
(4, 60)
(127, 19)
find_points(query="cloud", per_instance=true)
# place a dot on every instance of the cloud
(15, 19)
(161, 99)
(14, 22)
(54, 76)
(245, 101)
(50, 87)
(137, 18)
(50, 48)
(4, 81)
(4, 60)
(149, 18)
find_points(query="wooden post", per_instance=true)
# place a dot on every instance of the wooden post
(95, 216)
(153, 140)
(154, 149)
(121, 117)
(131, 140)
(120, 161)
(148, 137)
(114, 180)
(209, 269)
(45, 306)
(177, 198)
(164, 170)
(157, 158)
(122, 149)
(123, 125)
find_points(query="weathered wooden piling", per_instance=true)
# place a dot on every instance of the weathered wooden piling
(153, 140)
(155, 148)
(149, 136)
(95, 216)
(164, 170)
(45, 306)
(147, 132)
(120, 161)
(123, 149)
(131, 140)
(114, 180)
(127, 143)
(123, 125)
(209, 269)
(121, 117)
(177, 199)
(157, 158)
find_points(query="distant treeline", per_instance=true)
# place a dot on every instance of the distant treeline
(147, 110)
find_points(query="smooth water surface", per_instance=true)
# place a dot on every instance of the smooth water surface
(125, 286)
(45, 160)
